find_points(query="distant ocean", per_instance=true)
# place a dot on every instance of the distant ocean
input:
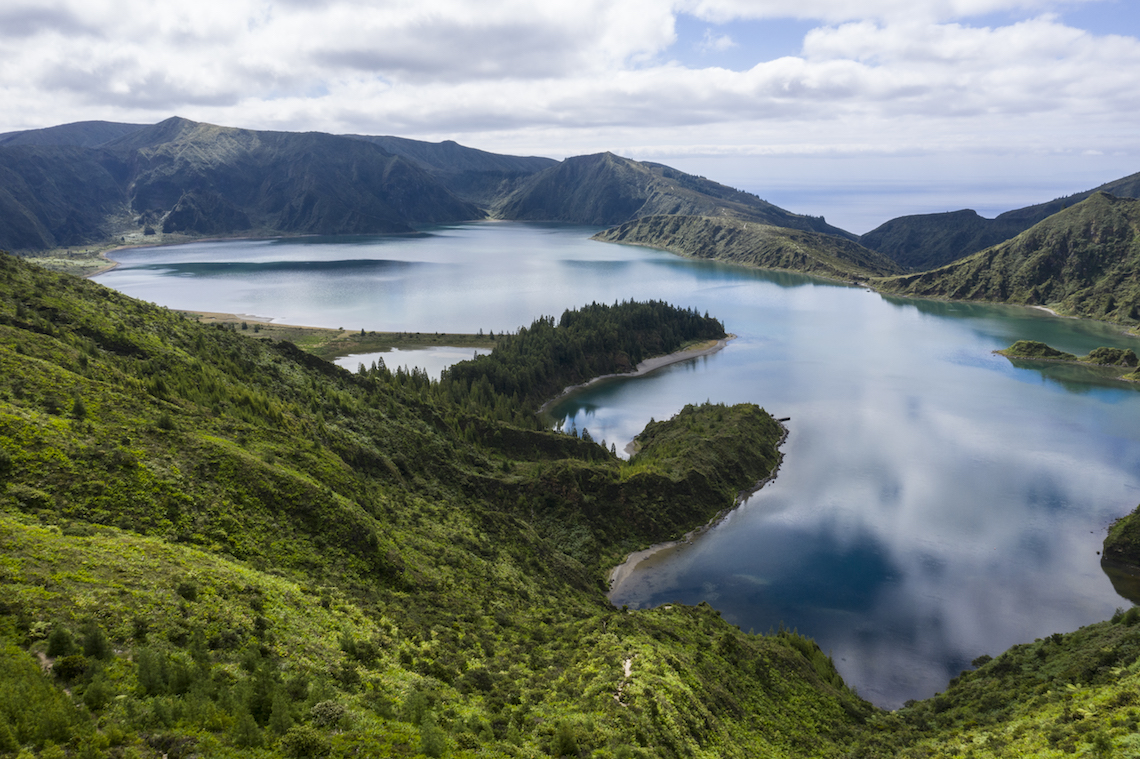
(860, 193)
(860, 208)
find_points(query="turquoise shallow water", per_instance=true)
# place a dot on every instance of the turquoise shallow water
(935, 502)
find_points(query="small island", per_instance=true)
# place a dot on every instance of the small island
(1118, 358)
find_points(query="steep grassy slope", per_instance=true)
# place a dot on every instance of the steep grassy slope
(605, 189)
(308, 183)
(183, 177)
(218, 545)
(474, 175)
(1069, 694)
(755, 244)
(58, 196)
(928, 241)
(1082, 261)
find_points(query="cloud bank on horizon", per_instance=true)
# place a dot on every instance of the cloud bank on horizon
(650, 78)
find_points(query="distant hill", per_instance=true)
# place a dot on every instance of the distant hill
(81, 134)
(927, 241)
(59, 196)
(301, 183)
(1081, 261)
(96, 181)
(605, 189)
(753, 243)
(184, 177)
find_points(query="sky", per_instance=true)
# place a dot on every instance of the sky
(859, 111)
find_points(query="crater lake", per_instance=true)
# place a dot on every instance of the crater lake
(935, 502)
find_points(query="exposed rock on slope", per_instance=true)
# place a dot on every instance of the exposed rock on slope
(748, 242)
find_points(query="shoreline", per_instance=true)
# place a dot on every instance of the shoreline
(647, 366)
(1076, 362)
(623, 571)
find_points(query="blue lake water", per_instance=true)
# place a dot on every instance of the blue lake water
(935, 502)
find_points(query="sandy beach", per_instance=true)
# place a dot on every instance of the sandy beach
(647, 366)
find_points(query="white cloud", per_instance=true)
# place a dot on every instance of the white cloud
(564, 77)
(715, 43)
(836, 11)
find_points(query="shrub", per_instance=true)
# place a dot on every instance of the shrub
(433, 741)
(327, 713)
(246, 733)
(69, 668)
(303, 741)
(95, 643)
(188, 589)
(60, 642)
(564, 743)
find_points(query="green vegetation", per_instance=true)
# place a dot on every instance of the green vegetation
(927, 241)
(1037, 350)
(216, 544)
(703, 439)
(605, 189)
(1081, 261)
(1123, 360)
(1069, 694)
(753, 243)
(1122, 545)
(537, 363)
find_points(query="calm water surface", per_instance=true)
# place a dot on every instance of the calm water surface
(935, 502)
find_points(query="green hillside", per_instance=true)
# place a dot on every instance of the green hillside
(928, 241)
(605, 189)
(185, 178)
(1082, 261)
(754, 244)
(217, 545)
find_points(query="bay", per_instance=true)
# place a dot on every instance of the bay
(935, 502)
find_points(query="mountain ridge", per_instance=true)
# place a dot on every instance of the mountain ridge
(1082, 261)
(604, 189)
(928, 241)
(185, 178)
(752, 243)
